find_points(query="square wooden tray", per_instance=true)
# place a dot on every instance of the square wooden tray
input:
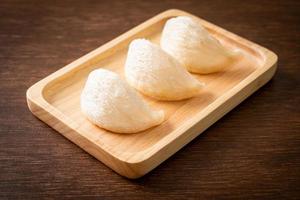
(55, 99)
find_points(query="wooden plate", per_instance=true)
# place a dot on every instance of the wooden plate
(55, 99)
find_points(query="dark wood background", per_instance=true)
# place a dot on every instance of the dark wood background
(251, 153)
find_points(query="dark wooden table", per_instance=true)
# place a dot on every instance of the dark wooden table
(251, 153)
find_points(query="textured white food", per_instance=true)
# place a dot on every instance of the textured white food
(193, 46)
(156, 74)
(111, 103)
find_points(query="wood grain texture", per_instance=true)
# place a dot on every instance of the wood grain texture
(251, 153)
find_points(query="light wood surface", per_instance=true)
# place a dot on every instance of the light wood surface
(55, 100)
